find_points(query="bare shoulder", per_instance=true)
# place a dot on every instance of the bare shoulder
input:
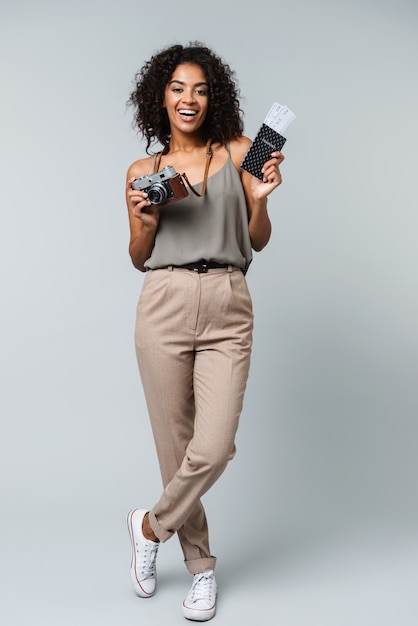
(239, 147)
(140, 167)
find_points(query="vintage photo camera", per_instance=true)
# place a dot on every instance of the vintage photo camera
(162, 187)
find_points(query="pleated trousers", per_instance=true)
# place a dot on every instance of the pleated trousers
(193, 339)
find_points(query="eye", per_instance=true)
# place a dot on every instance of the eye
(177, 89)
(201, 92)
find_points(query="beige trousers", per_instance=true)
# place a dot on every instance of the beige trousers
(193, 339)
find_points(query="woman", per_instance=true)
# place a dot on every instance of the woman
(194, 318)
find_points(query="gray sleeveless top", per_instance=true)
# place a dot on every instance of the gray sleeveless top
(213, 227)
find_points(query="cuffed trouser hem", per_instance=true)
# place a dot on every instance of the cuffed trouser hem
(160, 532)
(197, 566)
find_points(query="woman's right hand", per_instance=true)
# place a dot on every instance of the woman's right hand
(140, 207)
(144, 218)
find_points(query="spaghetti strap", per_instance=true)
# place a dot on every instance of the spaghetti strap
(157, 159)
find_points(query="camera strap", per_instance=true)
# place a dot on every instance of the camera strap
(184, 175)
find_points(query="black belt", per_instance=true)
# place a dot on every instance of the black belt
(202, 266)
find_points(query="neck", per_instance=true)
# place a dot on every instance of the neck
(186, 143)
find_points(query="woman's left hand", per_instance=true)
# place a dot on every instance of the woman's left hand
(272, 177)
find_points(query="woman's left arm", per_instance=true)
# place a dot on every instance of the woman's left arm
(256, 192)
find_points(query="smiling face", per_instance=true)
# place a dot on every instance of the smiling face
(186, 98)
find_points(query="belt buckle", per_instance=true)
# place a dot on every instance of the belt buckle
(201, 267)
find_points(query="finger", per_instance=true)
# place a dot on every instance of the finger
(272, 174)
(146, 212)
(272, 179)
(276, 160)
(278, 155)
(137, 196)
(271, 165)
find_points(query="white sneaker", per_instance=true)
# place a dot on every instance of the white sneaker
(200, 603)
(144, 554)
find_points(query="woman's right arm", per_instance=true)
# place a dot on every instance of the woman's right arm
(143, 218)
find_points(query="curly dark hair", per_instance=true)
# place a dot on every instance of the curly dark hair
(223, 121)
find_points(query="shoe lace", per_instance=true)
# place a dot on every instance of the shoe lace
(202, 587)
(150, 555)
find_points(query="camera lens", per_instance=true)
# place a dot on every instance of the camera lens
(157, 193)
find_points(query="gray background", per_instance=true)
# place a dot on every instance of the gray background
(315, 520)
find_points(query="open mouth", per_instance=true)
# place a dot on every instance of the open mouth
(187, 112)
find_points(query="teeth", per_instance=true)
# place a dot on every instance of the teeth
(187, 112)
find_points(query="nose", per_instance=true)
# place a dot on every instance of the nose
(189, 96)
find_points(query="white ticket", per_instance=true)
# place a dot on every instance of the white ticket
(279, 117)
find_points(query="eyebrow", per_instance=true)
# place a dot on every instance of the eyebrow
(180, 82)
